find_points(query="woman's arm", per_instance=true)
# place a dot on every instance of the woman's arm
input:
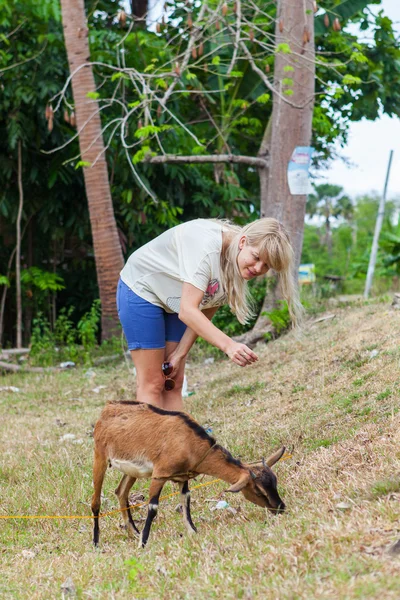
(190, 336)
(198, 322)
(187, 341)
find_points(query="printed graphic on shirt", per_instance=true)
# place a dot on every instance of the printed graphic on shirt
(174, 303)
(211, 291)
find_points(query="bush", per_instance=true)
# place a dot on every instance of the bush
(67, 343)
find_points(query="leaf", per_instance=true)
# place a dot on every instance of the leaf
(161, 83)
(284, 48)
(358, 57)
(82, 163)
(145, 132)
(93, 95)
(216, 60)
(351, 80)
(142, 154)
(119, 75)
(4, 280)
(263, 99)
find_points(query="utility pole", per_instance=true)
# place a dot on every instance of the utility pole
(378, 227)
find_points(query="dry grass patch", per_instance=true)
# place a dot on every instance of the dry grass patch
(332, 398)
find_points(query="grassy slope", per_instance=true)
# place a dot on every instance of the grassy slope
(331, 398)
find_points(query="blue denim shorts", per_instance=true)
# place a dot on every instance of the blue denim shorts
(145, 325)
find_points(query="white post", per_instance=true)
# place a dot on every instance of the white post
(378, 227)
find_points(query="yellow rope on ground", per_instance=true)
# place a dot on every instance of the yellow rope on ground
(111, 512)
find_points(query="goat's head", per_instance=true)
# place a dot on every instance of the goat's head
(258, 484)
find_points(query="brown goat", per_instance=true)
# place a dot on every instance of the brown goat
(144, 441)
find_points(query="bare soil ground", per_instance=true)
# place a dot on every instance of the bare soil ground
(332, 397)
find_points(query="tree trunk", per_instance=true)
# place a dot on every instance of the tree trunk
(28, 313)
(107, 249)
(18, 250)
(291, 126)
(264, 173)
(139, 9)
(288, 127)
(328, 236)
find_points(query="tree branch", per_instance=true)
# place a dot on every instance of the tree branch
(209, 158)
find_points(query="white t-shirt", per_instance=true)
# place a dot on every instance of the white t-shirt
(190, 253)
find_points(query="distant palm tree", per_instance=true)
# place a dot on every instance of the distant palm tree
(329, 202)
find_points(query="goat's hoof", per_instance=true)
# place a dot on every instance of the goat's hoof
(132, 533)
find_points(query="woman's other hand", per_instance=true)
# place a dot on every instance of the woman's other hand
(241, 354)
(175, 359)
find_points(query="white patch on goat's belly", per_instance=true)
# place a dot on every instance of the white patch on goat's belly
(139, 468)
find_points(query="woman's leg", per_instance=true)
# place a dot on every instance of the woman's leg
(149, 376)
(172, 400)
(144, 328)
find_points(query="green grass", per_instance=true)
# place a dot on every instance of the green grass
(341, 427)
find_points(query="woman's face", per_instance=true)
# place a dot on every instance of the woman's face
(249, 261)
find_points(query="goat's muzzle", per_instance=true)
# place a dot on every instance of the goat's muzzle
(278, 509)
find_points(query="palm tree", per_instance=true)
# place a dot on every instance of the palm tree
(329, 202)
(107, 248)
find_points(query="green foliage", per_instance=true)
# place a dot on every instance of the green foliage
(284, 48)
(88, 326)
(67, 342)
(64, 331)
(43, 280)
(351, 240)
(279, 318)
(390, 245)
(4, 280)
(135, 568)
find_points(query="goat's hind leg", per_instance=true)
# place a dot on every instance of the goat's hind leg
(122, 492)
(99, 470)
(185, 502)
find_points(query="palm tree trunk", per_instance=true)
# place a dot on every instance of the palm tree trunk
(107, 248)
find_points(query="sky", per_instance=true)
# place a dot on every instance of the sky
(369, 146)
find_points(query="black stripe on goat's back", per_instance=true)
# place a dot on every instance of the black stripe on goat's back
(228, 456)
(194, 426)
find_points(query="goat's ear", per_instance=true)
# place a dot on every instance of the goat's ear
(240, 484)
(256, 464)
(275, 457)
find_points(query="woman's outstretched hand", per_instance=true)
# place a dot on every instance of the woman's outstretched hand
(241, 354)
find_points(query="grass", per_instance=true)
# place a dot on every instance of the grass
(323, 397)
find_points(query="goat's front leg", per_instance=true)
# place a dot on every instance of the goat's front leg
(122, 492)
(156, 487)
(185, 503)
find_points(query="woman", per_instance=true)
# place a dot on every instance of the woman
(171, 288)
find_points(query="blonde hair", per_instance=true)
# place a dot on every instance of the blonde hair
(274, 247)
